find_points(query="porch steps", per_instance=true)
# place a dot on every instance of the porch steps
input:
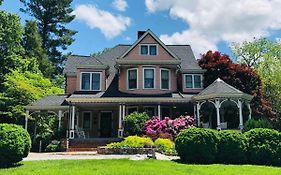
(89, 144)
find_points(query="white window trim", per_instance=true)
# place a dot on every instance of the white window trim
(127, 78)
(91, 73)
(184, 81)
(130, 107)
(155, 112)
(154, 82)
(148, 49)
(91, 119)
(169, 74)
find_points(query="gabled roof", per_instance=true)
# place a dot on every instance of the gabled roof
(220, 89)
(149, 32)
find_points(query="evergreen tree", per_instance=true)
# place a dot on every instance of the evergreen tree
(32, 44)
(52, 16)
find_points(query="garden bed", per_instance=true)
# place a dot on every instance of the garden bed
(107, 150)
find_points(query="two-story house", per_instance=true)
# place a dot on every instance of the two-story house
(145, 76)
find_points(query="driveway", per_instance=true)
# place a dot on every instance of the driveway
(90, 155)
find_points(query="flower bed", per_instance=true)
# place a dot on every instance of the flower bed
(107, 150)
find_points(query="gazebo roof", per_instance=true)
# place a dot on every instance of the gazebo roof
(220, 89)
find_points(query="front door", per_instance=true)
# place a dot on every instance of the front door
(105, 124)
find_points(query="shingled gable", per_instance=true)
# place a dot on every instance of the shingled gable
(148, 32)
(220, 89)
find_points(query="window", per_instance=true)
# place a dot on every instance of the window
(150, 111)
(193, 81)
(86, 120)
(91, 81)
(165, 79)
(132, 78)
(148, 78)
(148, 49)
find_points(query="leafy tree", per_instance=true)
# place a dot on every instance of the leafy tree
(264, 56)
(21, 88)
(52, 16)
(32, 44)
(11, 49)
(241, 77)
(97, 54)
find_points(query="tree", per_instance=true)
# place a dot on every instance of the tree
(32, 44)
(264, 56)
(52, 16)
(239, 76)
(11, 49)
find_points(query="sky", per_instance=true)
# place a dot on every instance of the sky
(203, 24)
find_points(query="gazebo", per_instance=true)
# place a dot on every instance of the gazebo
(218, 94)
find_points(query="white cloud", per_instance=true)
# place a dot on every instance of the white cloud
(213, 21)
(120, 5)
(110, 25)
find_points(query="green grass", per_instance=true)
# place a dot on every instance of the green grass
(124, 167)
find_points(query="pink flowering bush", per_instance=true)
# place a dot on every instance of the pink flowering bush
(167, 128)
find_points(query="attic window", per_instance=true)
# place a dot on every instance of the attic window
(148, 49)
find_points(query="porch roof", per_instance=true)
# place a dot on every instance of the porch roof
(220, 89)
(50, 102)
(95, 98)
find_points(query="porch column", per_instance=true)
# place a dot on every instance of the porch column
(217, 102)
(124, 112)
(159, 111)
(240, 115)
(250, 110)
(72, 120)
(60, 115)
(26, 119)
(120, 130)
(198, 114)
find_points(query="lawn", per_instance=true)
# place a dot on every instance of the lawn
(124, 166)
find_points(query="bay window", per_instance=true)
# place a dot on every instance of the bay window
(132, 78)
(149, 78)
(165, 79)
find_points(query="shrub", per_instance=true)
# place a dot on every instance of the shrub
(166, 146)
(132, 142)
(54, 146)
(232, 146)
(260, 123)
(14, 145)
(197, 145)
(134, 123)
(167, 128)
(264, 146)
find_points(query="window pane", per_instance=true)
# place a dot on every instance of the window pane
(132, 79)
(87, 120)
(144, 50)
(188, 81)
(85, 79)
(148, 78)
(152, 50)
(164, 79)
(197, 81)
(95, 81)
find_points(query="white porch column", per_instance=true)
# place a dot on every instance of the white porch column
(250, 110)
(120, 129)
(240, 115)
(123, 112)
(217, 102)
(159, 111)
(198, 114)
(26, 119)
(60, 115)
(72, 120)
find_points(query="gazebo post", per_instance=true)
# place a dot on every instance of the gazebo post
(26, 120)
(217, 102)
(60, 115)
(198, 114)
(240, 115)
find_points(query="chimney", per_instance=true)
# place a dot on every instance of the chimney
(140, 33)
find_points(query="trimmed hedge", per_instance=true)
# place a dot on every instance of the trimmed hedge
(232, 147)
(197, 145)
(264, 146)
(15, 144)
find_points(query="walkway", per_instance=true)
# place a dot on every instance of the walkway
(90, 155)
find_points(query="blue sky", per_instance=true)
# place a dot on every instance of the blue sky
(204, 24)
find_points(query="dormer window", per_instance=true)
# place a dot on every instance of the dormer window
(193, 81)
(148, 49)
(90, 81)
